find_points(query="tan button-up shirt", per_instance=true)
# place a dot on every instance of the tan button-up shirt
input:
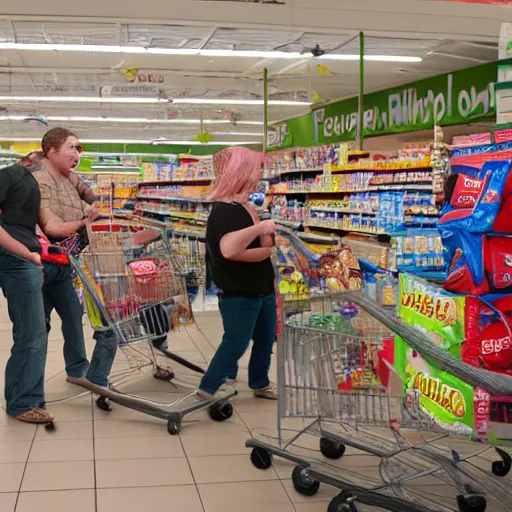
(60, 195)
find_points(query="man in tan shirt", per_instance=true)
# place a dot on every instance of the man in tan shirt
(63, 214)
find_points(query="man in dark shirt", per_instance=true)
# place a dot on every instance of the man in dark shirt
(22, 280)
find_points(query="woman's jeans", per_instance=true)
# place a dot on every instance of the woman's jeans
(22, 282)
(243, 319)
(59, 293)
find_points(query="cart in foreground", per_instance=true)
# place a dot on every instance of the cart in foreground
(334, 376)
(133, 289)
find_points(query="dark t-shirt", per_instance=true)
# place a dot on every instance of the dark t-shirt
(236, 278)
(19, 202)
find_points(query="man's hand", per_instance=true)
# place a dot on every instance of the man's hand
(35, 258)
(92, 214)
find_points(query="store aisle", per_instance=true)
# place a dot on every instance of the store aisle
(123, 460)
(127, 461)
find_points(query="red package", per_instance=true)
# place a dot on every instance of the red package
(467, 191)
(61, 259)
(491, 350)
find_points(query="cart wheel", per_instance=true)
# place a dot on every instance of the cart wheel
(221, 412)
(340, 504)
(473, 503)
(331, 449)
(173, 426)
(261, 458)
(303, 483)
(502, 467)
(103, 403)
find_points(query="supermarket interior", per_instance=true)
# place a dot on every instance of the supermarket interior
(385, 133)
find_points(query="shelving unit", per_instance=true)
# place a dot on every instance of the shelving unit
(379, 199)
(171, 197)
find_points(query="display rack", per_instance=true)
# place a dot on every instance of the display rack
(171, 197)
(334, 189)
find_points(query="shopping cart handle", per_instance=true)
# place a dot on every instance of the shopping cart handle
(370, 268)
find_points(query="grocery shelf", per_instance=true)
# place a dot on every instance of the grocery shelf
(381, 170)
(376, 188)
(163, 183)
(347, 229)
(177, 198)
(341, 210)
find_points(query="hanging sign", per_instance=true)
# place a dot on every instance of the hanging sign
(461, 97)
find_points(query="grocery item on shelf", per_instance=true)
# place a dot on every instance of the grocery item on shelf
(419, 251)
(118, 184)
(472, 330)
(180, 170)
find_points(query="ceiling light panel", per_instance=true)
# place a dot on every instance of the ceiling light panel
(260, 54)
(132, 120)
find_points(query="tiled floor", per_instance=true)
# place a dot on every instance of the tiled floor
(126, 461)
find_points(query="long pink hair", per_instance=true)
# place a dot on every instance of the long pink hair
(237, 172)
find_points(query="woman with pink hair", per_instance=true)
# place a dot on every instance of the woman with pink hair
(239, 247)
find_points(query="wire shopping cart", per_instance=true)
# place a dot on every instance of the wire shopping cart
(334, 376)
(133, 289)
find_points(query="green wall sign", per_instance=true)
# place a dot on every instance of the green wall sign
(455, 98)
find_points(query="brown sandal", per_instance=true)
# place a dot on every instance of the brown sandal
(36, 415)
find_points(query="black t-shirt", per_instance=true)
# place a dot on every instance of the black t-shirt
(19, 201)
(236, 278)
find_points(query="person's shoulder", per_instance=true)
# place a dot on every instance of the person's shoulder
(39, 173)
(14, 170)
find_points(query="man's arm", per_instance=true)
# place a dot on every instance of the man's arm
(53, 225)
(84, 191)
(12, 245)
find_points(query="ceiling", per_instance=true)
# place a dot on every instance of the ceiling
(198, 25)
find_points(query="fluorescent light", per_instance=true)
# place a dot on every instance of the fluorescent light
(198, 52)
(187, 101)
(141, 49)
(372, 58)
(137, 120)
(137, 141)
(244, 134)
(253, 53)
(172, 51)
(84, 99)
(197, 143)
(72, 47)
(228, 101)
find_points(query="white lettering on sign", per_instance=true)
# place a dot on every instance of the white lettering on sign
(466, 200)
(408, 108)
(495, 346)
(469, 183)
(277, 135)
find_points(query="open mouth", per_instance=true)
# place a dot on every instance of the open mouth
(74, 165)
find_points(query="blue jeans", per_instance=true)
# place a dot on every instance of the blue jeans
(22, 283)
(243, 319)
(59, 293)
